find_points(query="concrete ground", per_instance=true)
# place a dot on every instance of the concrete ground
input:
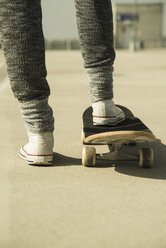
(67, 205)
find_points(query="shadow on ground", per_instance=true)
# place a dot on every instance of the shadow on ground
(158, 171)
(62, 160)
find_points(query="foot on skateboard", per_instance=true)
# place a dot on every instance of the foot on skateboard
(127, 133)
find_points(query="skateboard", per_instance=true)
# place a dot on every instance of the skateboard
(128, 133)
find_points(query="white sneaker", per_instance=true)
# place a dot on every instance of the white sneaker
(107, 113)
(39, 149)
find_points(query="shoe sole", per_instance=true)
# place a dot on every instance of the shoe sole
(36, 159)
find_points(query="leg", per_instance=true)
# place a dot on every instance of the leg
(23, 45)
(95, 30)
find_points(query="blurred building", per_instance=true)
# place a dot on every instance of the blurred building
(139, 23)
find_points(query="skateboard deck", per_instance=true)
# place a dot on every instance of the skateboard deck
(131, 131)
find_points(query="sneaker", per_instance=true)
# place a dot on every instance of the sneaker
(39, 149)
(107, 113)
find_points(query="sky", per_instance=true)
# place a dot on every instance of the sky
(59, 19)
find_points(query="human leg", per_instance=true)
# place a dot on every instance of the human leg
(95, 30)
(23, 46)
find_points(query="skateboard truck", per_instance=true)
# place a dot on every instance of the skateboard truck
(145, 156)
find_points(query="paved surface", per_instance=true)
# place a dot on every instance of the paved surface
(67, 205)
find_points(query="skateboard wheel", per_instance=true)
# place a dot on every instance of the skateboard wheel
(146, 158)
(88, 156)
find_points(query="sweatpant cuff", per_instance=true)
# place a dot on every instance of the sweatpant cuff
(100, 83)
(37, 115)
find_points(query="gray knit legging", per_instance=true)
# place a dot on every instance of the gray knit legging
(22, 42)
